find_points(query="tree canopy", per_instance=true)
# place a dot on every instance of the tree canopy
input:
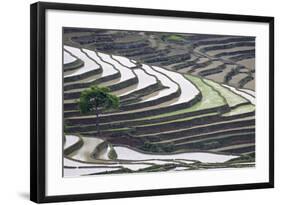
(97, 97)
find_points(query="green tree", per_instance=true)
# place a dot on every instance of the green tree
(94, 99)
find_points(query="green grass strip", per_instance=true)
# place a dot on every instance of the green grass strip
(241, 109)
(210, 98)
(231, 98)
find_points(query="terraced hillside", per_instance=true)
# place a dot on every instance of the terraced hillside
(184, 102)
(225, 59)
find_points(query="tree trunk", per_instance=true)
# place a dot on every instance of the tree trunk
(97, 121)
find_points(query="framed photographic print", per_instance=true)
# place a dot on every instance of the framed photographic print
(129, 102)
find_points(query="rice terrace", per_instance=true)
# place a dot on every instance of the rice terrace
(141, 101)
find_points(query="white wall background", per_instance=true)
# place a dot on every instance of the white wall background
(14, 101)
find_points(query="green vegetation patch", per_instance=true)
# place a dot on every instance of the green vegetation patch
(231, 98)
(240, 110)
(174, 37)
(210, 98)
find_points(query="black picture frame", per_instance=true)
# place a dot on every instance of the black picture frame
(38, 100)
